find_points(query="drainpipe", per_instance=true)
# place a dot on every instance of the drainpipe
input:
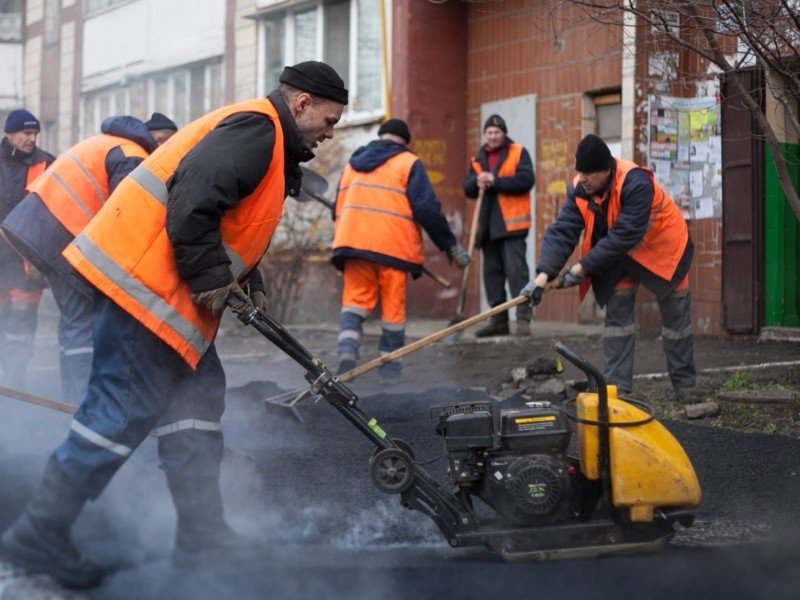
(628, 81)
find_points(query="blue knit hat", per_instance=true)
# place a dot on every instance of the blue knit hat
(19, 120)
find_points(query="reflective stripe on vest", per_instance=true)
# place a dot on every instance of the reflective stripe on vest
(125, 251)
(373, 213)
(515, 208)
(664, 243)
(75, 186)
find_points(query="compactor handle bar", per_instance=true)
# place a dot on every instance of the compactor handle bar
(596, 383)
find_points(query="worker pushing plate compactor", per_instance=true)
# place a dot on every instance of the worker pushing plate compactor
(629, 487)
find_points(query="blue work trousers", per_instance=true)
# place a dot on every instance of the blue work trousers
(619, 338)
(74, 301)
(139, 384)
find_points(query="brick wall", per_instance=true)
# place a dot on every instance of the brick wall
(518, 47)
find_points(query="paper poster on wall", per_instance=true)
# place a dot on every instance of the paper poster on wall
(684, 152)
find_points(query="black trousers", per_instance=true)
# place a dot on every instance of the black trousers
(503, 260)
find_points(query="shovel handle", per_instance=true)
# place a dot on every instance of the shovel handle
(473, 236)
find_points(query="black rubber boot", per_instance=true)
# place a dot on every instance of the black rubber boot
(39, 540)
(202, 528)
(523, 321)
(497, 326)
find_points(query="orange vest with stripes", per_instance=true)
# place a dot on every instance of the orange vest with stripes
(75, 186)
(662, 246)
(373, 212)
(515, 208)
(126, 254)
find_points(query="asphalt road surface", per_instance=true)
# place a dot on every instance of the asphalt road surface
(302, 491)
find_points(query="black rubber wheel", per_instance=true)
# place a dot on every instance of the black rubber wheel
(402, 445)
(391, 471)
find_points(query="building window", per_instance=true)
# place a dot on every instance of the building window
(99, 105)
(187, 93)
(10, 20)
(346, 34)
(52, 21)
(608, 120)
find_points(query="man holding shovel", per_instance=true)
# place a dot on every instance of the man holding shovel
(504, 172)
(384, 197)
(633, 233)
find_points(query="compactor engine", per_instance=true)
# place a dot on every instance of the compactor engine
(516, 460)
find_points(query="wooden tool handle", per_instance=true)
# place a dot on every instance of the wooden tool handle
(434, 337)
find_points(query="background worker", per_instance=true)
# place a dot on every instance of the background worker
(384, 197)
(161, 128)
(174, 241)
(633, 233)
(58, 206)
(504, 171)
(21, 162)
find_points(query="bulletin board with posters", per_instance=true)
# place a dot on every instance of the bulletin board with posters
(685, 152)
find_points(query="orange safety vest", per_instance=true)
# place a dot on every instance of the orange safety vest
(662, 246)
(33, 173)
(126, 254)
(515, 208)
(75, 186)
(373, 212)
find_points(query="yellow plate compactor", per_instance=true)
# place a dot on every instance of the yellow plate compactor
(627, 489)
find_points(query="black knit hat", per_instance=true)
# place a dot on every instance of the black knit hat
(396, 127)
(592, 155)
(158, 121)
(316, 78)
(20, 120)
(495, 121)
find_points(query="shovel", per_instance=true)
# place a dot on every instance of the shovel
(313, 188)
(462, 296)
(289, 399)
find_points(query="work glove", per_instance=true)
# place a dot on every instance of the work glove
(534, 292)
(570, 279)
(259, 299)
(217, 299)
(458, 255)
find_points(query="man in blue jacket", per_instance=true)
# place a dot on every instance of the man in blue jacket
(384, 198)
(40, 235)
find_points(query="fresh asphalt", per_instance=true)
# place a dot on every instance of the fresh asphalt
(302, 491)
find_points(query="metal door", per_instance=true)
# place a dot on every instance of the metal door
(742, 208)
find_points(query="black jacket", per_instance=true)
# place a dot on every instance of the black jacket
(223, 168)
(491, 226)
(13, 179)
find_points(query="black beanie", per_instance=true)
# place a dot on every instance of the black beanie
(396, 127)
(317, 79)
(496, 121)
(158, 121)
(20, 120)
(592, 155)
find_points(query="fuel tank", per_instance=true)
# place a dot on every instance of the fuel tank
(649, 468)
